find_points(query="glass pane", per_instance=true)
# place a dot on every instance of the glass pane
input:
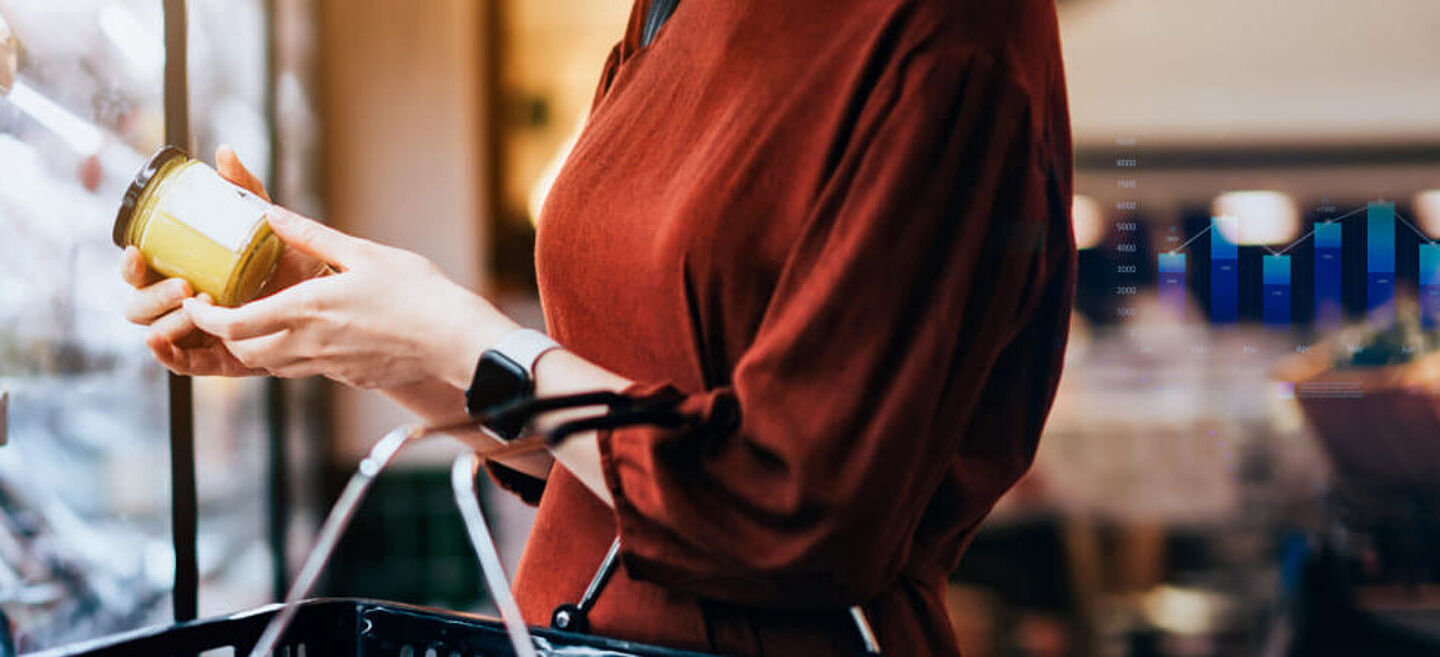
(227, 106)
(84, 523)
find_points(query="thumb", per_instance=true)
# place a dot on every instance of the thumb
(230, 168)
(316, 239)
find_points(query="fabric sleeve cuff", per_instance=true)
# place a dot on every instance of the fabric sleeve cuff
(528, 488)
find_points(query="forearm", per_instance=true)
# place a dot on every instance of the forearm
(560, 372)
(437, 402)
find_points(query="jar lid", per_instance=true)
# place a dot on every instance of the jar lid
(137, 187)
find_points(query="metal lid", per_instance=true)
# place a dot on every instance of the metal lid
(137, 188)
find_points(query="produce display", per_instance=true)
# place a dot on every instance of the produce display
(84, 479)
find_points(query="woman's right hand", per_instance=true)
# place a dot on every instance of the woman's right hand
(156, 302)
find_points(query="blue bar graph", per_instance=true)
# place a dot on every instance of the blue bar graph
(1275, 281)
(1380, 261)
(1172, 283)
(1430, 285)
(1338, 261)
(1224, 272)
(1329, 306)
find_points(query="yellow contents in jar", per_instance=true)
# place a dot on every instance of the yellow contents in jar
(190, 223)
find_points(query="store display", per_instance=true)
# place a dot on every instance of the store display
(83, 537)
(83, 484)
(1370, 387)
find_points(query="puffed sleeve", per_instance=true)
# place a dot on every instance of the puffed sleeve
(937, 259)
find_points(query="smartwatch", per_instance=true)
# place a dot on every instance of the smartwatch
(506, 374)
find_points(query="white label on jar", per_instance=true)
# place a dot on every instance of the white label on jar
(225, 213)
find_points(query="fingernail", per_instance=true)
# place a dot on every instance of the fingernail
(278, 218)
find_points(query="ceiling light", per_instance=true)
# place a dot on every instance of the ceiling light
(1261, 217)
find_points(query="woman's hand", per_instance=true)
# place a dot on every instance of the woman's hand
(173, 338)
(156, 303)
(388, 318)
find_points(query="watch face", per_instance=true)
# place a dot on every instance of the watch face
(498, 381)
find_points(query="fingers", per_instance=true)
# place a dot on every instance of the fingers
(299, 370)
(177, 328)
(173, 337)
(209, 361)
(316, 239)
(154, 301)
(134, 270)
(257, 318)
(227, 162)
(264, 351)
(272, 354)
(166, 353)
(176, 359)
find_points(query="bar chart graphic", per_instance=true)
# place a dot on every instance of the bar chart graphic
(1343, 268)
(1224, 271)
(1380, 259)
(1329, 304)
(1276, 281)
(1172, 282)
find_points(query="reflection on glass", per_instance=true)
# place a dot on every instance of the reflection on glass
(84, 531)
(9, 57)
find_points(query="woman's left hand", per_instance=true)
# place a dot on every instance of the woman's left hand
(388, 318)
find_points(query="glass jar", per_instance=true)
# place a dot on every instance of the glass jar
(191, 223)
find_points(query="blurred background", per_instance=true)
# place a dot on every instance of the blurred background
(1242, 460)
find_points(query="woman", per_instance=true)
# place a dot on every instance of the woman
(835, 232)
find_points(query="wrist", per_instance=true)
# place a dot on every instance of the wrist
(476, 327)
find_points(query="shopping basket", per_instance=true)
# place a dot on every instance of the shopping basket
(346, 627)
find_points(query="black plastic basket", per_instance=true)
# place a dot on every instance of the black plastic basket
(362, 628)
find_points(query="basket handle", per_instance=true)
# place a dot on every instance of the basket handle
(335, 523)
(462, 482)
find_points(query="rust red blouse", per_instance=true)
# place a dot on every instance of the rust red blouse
(838, 231)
